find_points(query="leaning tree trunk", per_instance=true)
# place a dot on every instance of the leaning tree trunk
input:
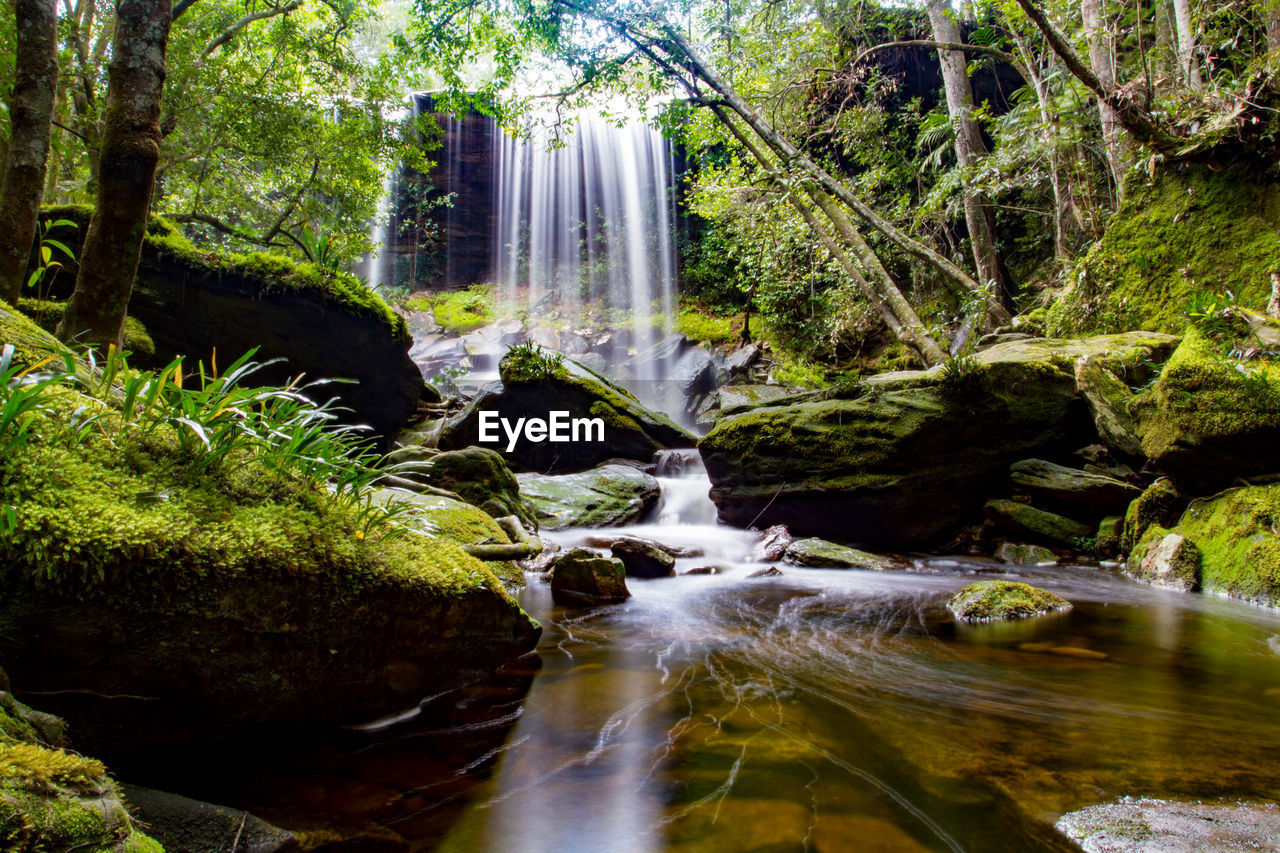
(126, 175)
(970, 149)
(1115, 139)
(1187, 43)
(30, 115)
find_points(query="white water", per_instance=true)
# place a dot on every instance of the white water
(584, 223)
(378, 267)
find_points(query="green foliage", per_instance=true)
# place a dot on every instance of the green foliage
(960, 376)
(41, 278)
(461, 311)
(704, 327)
(529, 362)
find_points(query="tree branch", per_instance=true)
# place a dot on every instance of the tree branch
(230, 32)
(181, 7)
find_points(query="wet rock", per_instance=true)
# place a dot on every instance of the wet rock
(703, 570)
(903, 461)
(543, 560)
(694, 372)
(1025, 520)
(535, 383)
(581, 576)
(1025, 555)
(1165, 559)
(770, 572)
(1166, 826)
(643, 559)
(1070, 490)
(606, 496)
(773, 544)
(734, 399)
(989, 601)
(742, 359)
(676, 551)
(821, 554)
(183, 825)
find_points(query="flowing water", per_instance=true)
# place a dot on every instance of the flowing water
(583, 227)
(813, 710)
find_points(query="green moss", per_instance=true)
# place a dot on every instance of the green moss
(703, 327)
(271, 272)
(47, 314)
(987, 601)
(612, 418)
(1202, 393)
(1178, 234)
(1159, 504)
(1238, 541)
(461, 311)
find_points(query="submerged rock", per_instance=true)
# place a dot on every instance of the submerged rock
(1166, 826)
(988, 601)
(1070, 490)
(1025, 555)
(184, 825)
(1025, 520)
(608, 496)
(582, 576)
(535, 383)
(1165, 559)
(904, 460)
(608, 541)
(643, 559)
(821, 554)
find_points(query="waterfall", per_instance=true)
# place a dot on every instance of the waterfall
(583, 231)
(379, 264)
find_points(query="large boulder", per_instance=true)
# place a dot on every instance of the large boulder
(582, 576)
(535, 383)
(214, 306)
(1070, 490)
(902, 460)
(480, 477)
(184, 825)
(990, 601)
(1236, 534)
(607, 496)
(1209, 421)
(643, 559)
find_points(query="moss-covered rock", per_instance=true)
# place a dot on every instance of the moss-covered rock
(1107, 541)
(1038, 525)
(198, 302)
(1210, 420)
(239, 595)
(607, 496)
(1237, 536)
(480, 477)
(1184, 231)
(535, 383)
(821, 554)
(461, 523)
(989, 601)
(47, 314)
(1025, 555)
(582, 576)
(1166, 559)
(1070, 490)
(1159, 504)
(53, 800)
(901, 460)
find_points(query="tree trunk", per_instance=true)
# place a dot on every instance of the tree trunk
(126, 175)
(1187, 43)
(1114, 138)
(30, 116)
(684, 55)
(970, 149)
(1269, 12)
(1164, 63)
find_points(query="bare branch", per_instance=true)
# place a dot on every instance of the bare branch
(230, 32)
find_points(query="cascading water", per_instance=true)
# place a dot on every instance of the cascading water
(583, 232)
(379, 266)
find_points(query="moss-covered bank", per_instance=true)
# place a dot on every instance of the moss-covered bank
(1187, 230)
(230, 595)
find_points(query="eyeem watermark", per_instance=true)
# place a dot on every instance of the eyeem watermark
(557, 428)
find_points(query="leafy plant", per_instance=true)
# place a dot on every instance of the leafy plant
(22, 392)
(960, 375)
(529, 362)
(47, 268)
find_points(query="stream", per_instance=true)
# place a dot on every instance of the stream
(818, 709)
